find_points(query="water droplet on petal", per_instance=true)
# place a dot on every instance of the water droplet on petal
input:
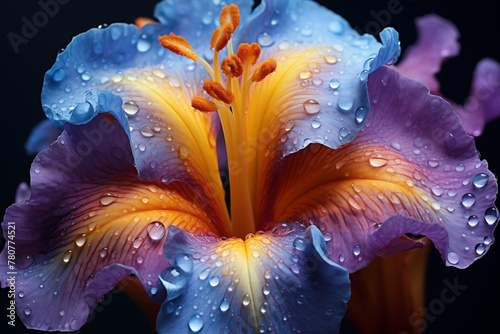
(480, 180)
(204, 274)
(377, 160)
(341, 258)
(334, 84)
(195, 324)
(491, 215)
(214, 281)
(356, 250)
(360, 114)
(265, 39)
(59, 75)
(311, 107)
(224, 306)
(480, 249)
(107, 200)
(453, 258)
(468, 200)
(81, 239)
(147, 131)
(183, 153)
(246, 300)
(306, 74)
(345, 103)
(131, 108)
(331, 59)
(27, 311)
(156, 230)
(473, 221)
(433, 162)
(299, 244)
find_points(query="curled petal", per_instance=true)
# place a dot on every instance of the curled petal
(437, 41)
(483, 104)
(88, 223)
(407, 172)
(259, 284)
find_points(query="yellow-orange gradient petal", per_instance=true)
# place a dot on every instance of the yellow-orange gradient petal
(172, 141)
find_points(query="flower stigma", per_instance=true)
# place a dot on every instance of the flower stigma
(230, 97)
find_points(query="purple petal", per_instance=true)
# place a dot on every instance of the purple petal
(261, 284)
(412, 169)
(483, 104)
(437, 41)
(23, 192)
(89, 214)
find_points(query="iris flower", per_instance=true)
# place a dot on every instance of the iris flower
(321, 178)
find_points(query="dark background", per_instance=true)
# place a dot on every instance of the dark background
(475, 310)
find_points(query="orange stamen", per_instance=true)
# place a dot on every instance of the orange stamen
(202, 104)
(217, 91)
(142, 21)
(178, 45)
(221, 37)
(232, 66)
(263, 70)
(248, 53)
(230, 14)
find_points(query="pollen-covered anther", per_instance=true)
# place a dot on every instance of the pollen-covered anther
(248, 53)
(263, 70)
(142, 21)
(230, 14)
(221, 37)
(232, 66)
(202, 104)
(178, 45)
(217, 91)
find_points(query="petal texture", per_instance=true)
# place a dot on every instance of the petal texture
(319, 91)
(266, 283)
(412, 169)
(125, 71)
(88, 223)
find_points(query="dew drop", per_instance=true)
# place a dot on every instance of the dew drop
(265, 39)
(266, 290)
(224, 306)
(103, 252)
(156, 230)
(377, 160)
(360, 114)
(21, 294)
(143, 45)
(301, 299)
(214, 281)
(331, 59)
(131, 108)
(395, 145)
(341, 258)
(27, 311)
(345, 103)
(81, 239)
(468, 200)
(491, 215)
(480, 249)
(356, 250)
(488, 240)
(204, 274)
(107, 200)
(183, 153)
(453, 258)
(433, 162)
(67, 256)
(473, 221)
(305, 74)
(334, 84)
(147, 131)
(299, 244)
(246, 300)
(480, 180)
(311, 107)
(195, 324)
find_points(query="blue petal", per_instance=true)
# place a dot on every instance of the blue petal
(337, 82)
(196, 20)
(42, 135)
(264, 284)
